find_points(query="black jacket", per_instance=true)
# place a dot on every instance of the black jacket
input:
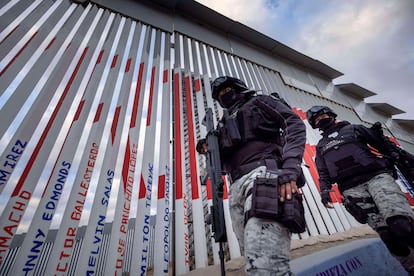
(269, 130)
(345, 155)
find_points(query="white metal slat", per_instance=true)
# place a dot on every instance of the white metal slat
(105, 175)
(65, 156)
(200, 244)
(80, 169)
(181, 219)
(149, 169)
(29, 186)
(162, 246)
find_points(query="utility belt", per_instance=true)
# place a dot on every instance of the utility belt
(238, 172)
(266, 205)
(353, 181)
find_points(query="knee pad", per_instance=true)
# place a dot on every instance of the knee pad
(401, 226)
(393, 244)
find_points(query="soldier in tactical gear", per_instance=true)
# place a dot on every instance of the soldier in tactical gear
(261, 146)
(344, 156)
(397, 156)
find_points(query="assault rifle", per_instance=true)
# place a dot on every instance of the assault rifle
(402, 159)
(217, 185)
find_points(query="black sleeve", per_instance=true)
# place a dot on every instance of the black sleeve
(324, 179)
(294, 137)
(376, 139)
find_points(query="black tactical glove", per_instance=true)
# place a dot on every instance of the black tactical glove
(201, 146)
(394, 156)
(286, 175)
(326, 198)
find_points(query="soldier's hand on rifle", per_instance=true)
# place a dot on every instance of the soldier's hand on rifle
(326, 199)
(202, 146)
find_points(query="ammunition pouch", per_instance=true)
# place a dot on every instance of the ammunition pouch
(359, 213)
(266, 205)
(229, 133)
(265, 199)
(294, 214)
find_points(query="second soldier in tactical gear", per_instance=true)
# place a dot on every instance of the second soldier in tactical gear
(365, 179)
(261, 146)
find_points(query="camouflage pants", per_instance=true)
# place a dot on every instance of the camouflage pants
(264, 243)
(387, 196)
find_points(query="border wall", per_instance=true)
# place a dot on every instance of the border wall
(101, 104)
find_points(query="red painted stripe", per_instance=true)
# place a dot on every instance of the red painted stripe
(191, 138)
(210, 193)
(9, 34)
(337, 195)
(225, 192)
(115, 123)
(165, 76)
(177, 146)
(410, 199)
(151, 97)
(197, 85)
(128, 65)
(300, 113)
(99, 59)
(50, 43)
(208, 189)
(125, 166)
(98, 113)
(136, 98)
(142, 188)
(161, 186)
(33, 157)
(115, 58)
(79, 110)
(308, 156)
(18, 54)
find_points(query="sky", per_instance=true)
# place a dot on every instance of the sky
(371, 42)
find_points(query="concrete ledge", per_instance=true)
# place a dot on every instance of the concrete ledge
(364, 256)
(360, 257)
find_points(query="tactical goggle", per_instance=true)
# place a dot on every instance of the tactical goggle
(315, 111)
(221, 82)
(218, 83)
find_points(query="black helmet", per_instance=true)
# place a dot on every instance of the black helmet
(317, 110)
(222, 82)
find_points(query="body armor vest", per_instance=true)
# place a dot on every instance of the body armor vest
(247, 123)
(346, 157)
